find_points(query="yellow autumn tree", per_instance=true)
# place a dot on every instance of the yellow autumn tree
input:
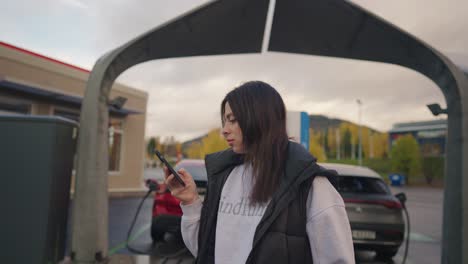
(374, 143)
(315, 148)
(380, 145)
(178, 147)
(331, 142)
(195, 151)
(354, 129)
(214, 142)
(365, 141)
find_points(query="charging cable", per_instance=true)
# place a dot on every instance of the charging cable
(402, 198)
(153, 186)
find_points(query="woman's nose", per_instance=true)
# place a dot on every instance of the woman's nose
(225, 130)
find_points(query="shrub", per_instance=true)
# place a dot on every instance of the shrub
(381, 166)
(405, 157)
(433, 168)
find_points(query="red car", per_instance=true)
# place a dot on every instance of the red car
(166, 208)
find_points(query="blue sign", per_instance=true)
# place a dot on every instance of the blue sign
(305, 130)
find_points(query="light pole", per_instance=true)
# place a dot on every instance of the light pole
(360, 133)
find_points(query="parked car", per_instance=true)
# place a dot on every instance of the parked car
(375, 215)
(166, 208)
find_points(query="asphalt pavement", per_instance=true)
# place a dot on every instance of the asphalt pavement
(425, 211)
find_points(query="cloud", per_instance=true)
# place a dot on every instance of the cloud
(184, 93)
(442, 24)
(76, 3)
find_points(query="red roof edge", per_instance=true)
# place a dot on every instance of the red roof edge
(42, 56)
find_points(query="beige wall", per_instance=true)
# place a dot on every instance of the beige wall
(131, 171)
(42, 109)
(20, 67)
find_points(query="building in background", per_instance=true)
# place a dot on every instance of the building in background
(429, 134)
(32, 84)
(297, 125)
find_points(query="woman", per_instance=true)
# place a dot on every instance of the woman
(267, 200)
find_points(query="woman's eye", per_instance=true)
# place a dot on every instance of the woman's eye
(232, 120)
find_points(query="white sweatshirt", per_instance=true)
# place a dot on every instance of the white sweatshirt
(327, 225)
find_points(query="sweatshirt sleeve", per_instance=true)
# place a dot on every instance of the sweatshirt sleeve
(328, 226)
(190, 224)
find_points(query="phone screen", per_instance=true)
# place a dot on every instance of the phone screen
(170, 168)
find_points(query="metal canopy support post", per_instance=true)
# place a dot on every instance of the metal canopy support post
(334, 28)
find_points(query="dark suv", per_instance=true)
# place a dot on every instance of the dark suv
(375, 215)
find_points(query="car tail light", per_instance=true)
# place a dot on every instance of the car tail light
(387, 203)
(165, 203)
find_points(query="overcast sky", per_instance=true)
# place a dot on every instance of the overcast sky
(184, 94)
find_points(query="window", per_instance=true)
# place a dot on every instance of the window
(115, 136)
(115, 144)
(431, 149)
(362, 185)
(10, 105)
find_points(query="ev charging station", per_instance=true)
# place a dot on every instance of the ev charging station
(36, 154)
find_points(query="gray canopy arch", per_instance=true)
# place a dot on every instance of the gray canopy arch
(320, 27)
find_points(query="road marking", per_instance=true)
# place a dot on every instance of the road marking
(134, 237)
(399, 259)
(417, 237)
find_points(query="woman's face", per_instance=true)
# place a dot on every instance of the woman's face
(231, 130)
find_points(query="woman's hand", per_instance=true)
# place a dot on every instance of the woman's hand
(187, 194)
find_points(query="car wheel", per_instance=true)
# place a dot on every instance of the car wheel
(386, 254)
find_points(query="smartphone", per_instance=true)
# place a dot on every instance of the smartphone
(169, 167)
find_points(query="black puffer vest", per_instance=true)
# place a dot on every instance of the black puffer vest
(281, 235)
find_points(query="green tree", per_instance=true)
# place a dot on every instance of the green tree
(331, 142)
(347, 143)
(406, 157)
(325, 142)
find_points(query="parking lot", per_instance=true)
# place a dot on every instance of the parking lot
(424, 205)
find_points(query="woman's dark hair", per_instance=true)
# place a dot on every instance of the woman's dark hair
(261, 115)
